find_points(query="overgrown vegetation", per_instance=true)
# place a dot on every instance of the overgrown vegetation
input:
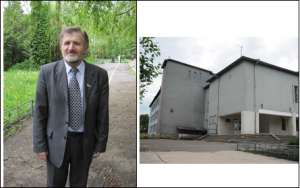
(293, 142)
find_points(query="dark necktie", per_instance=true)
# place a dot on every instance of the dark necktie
(75, 109)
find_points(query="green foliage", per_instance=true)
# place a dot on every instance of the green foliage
(40, 42)
(88, 54)
(92, 55)
(294, 142)
(148, 71)
(100, 53)
(144, 121)
(15, 47)
(36, 35)
(55, 28)
(26, 65)
(115, 22)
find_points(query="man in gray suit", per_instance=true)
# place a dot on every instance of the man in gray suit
(71, 112)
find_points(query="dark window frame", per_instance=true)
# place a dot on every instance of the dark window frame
(283, 125)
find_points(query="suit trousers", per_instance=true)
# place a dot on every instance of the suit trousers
(74, 155)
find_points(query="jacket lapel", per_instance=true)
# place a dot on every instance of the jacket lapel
(61, 78)
(89, 82)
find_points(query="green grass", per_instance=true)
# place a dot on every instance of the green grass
(92, 60)
(18, 87)
(130, 70)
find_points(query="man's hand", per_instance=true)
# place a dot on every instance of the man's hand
(96, 154)
(43, 156)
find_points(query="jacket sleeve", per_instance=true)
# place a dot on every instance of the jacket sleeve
(102, 125)
(40, 115)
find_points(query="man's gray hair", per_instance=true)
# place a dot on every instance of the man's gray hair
(72, 29)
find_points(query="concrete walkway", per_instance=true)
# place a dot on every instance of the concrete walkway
(220, 157)
(163, 151)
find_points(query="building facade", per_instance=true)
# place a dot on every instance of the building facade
(247, 97)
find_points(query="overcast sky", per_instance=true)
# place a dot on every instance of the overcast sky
(215, 53)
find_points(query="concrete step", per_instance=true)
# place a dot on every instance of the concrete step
(235, 138)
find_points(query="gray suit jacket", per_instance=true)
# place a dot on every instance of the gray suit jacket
(51, 114)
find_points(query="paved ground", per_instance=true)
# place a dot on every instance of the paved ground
(162, 151)
(114, 168)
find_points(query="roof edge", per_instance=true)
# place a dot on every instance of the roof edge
(239, 60)
(166, 60)
(155, 97)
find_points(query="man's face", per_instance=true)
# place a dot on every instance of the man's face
(72, 48)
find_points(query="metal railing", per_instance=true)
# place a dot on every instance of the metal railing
(17, 113)
(273, 148)
(269, 134)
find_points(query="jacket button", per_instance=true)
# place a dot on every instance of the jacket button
(67, 122)
(65, 138)
(86, 140)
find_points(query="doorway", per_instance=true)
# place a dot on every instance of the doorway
(237, 126)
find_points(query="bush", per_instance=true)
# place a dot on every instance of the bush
(294, 142)
(26, 65)
(128, 56)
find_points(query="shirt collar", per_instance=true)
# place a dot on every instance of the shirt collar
(80, 67)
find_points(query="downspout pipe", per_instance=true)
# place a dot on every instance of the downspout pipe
(255, 95)
(218, 103)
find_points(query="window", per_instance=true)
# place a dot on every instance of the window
(215, 119)
(283, 124)
(297, 124)
(296, 94)
(200, 75)
(189, 73)
(210, 120)
(194, 74)
(228, 120)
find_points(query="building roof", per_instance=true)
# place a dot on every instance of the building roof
(238, 61)
(166, 60)
(155, 98)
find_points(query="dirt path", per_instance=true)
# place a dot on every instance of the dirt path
(114, 168)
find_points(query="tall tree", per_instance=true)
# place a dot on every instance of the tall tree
(56, 27)
(40, 42)
(14, 22)
(144, 121)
